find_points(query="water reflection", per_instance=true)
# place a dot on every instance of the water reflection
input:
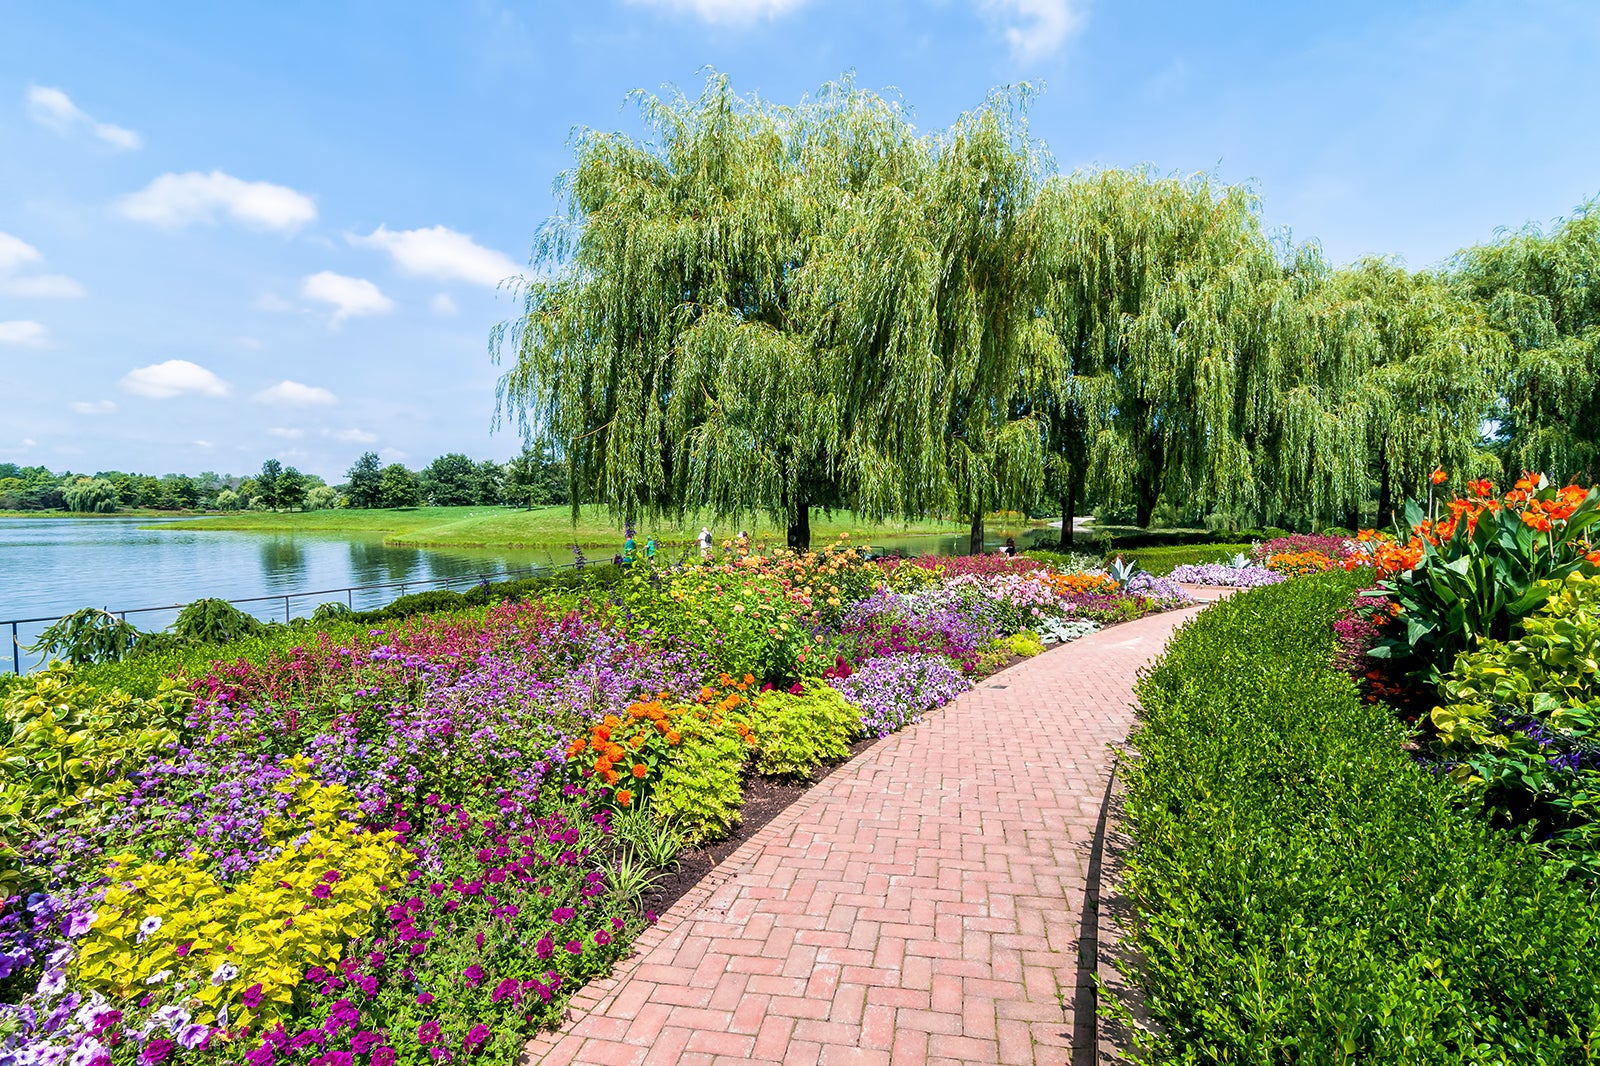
(283, 562)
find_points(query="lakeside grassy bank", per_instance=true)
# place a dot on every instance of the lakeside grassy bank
(541, 527)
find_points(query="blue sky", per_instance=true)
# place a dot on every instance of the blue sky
(231, 232)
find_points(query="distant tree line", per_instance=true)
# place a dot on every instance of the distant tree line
(453, 480)
(779, 308)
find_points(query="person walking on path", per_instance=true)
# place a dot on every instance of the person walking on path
(628, 549)
(705, 542)
(650, 549)
(743, 542)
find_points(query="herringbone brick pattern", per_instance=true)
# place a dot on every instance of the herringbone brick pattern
(920, 905)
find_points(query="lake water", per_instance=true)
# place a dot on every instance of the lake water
(53, 566)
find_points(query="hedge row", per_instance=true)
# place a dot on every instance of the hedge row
(1307, 893)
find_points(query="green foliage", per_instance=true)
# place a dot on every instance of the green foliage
(699, 789)
(91, 495)
(1478, 583)
(68, 747)
(365, 481)
(213, 621)
(331, 611)
(434, 601)
(1307, 893)
(398, 487)
(796, 734)
(88, 636)
(1521, 719)
(1068, 562)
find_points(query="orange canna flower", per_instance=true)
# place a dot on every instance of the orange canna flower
(1536, 520)
(1438, 477)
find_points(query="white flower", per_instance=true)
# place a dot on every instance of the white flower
(172, 1016)
(90, 1012)
(157, 977)
(149, 927)
(86, 1052)
(224, 973)
(52, 983)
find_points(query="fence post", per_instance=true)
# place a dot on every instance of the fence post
(350, 598)
(286, 610)
(16, 652)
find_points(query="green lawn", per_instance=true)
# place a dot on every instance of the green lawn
(542, 527)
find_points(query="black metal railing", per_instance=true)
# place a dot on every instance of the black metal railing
(347, 591)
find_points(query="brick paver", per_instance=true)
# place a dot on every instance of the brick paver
(920, 905)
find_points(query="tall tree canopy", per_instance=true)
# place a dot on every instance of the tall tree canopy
(775, 308)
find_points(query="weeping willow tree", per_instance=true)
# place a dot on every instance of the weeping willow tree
(927, 293)
(777, 308)
(1542, 291)
(1155, 295)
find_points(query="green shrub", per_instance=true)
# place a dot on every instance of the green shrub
(699, 792)
(434, 601)
(796, 734)
(1307, 892)
(1072, 562)
(212, 621)
(89, 635)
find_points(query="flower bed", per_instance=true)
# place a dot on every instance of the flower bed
(411, 843)
(1243, 577)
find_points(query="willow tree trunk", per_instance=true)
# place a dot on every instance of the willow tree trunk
(975, 535)
(800, 529)
(1069, 514)
(1385, 492)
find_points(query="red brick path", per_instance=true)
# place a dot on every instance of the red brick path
(920, 905)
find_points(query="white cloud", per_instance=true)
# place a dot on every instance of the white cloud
(175, 377)
(294, 394)
(286, 434)
(182, 199)
(251, 343)
(203, 444)
(54, 109)
(443, 304)
(271, 301)
(350, 297)
(24, 333)
(94, 407)
(441, 254)
(43, 286)
(16, 252)
(1036, 28)
(390, 455)
(354, 436)
(727, 10)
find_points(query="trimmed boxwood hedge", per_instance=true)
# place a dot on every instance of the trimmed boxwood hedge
(1305, 892)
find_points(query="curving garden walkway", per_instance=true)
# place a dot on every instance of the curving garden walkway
(923, 904)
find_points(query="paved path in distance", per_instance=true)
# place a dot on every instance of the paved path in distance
(922, 904)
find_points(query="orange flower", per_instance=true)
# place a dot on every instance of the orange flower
(1438, 476)
(624, 797)
(637, 741)
(602, 732)
(1481, 487)
(673, 737)
(1536, 520)
(706, 693)
(578, 747)
(611, 777)
(640, 769)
